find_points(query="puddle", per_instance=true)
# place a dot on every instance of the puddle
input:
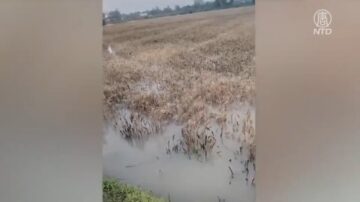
(222, 177)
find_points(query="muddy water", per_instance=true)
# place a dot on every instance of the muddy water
(175, 175)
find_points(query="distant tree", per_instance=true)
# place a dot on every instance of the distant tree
(177, 8)
(167, 9)
(155, 11)
(134, 15)
(198, 2)
(188, 9)
(114, 16)
(223, 3)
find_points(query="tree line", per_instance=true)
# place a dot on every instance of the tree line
(115, 16)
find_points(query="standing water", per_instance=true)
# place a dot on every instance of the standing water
(226, 175)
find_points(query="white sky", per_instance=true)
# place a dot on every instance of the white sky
(128, 6)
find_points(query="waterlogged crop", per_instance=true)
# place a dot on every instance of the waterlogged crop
(189, 70)
(179, 96)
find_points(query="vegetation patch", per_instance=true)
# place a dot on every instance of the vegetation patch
(114, 191)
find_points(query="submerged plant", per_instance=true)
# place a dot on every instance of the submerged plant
(187, 72)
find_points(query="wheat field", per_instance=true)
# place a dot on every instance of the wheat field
(192, 70)
(182, 87)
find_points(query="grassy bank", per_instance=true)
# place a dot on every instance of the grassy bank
(114, 191)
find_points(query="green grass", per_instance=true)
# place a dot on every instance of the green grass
(114, 191)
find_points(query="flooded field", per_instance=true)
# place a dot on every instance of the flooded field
(179, 105)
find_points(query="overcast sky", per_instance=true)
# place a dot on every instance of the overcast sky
(127, 6)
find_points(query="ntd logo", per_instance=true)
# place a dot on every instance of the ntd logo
(322, 20)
